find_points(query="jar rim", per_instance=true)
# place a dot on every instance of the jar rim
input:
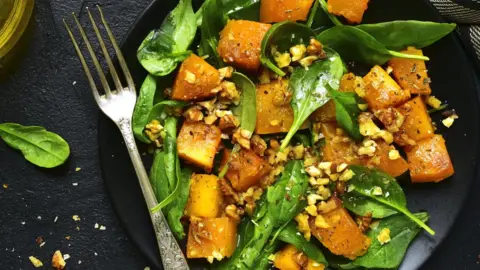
(15, 25)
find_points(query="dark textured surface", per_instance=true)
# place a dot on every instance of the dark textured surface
(41, 92)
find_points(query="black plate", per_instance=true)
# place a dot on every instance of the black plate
(453, 80)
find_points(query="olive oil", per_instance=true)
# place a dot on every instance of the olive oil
(14, 18)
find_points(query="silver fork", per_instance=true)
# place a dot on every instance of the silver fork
(118, 105)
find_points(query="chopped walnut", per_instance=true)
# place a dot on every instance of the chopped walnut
(316, 48)
(320, 222)
(36, 262)
(193, 113)
(190, 77)
(325, 207)
(282, 59)
(57, 260)
(308, 61)
(392, 118)
(239, 136)
(298, 52)
(209, 105)
(226, 72)
(229, 194)
(210, 120)
(228, 121)
(153, 130)
(230, 91)
(282, 98)
(233, 212)
(303, 227)
(364, 222)
(258, 145)
(301, 259)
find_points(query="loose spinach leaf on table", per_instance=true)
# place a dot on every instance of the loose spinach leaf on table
(39, 146)
(163, 49)
(354, 44)
(402, 231)
(213, 22)
(281, 37)
(347, 111)
(363, 184)
(290, 235)
(397, 35)
(309, 89)
(143, 107)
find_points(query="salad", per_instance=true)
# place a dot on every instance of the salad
(272, 148)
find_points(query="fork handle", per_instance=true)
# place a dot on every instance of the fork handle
(170, 252)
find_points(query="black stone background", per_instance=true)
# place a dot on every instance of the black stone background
(41, 91)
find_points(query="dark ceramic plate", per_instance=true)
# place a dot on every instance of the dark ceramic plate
(453, 80)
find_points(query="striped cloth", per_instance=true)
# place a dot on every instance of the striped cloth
(466, 13)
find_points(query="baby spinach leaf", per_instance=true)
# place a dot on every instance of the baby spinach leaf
(347, 111)
(402, 231)
(246, 111)
(158, 176)
(309, 89)
(365, 181)
(312, 14)
(163, 49)
(397, 35)
(245, 232)
(262, 262)
(242, 9)
(213, 22)
(333, 18)
(159, 111)
(354, 44)
(304, 139)
(176, 208)
(363, 206)
(281, 37)
(291, 235)
(143, 107)
(39, 146)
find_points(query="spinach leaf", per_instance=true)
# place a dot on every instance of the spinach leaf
(281, 37)
(245, 232)
(242, 9)
(354, 44)
(318, 19)
(163, 49)
(309, 89)
(397, 35)
(363, 206)
(365, 181)
(304, 139)
(291, 235)
(347, 111)
(402, 231)
(159, 111)
(246, 111)
(176, 208)
(262, 262)
(213, 22)
(39, 146)
(333, 18)
(313, 14)
(143, 107)
(158, 176)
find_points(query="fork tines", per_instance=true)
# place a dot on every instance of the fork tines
(101, 74)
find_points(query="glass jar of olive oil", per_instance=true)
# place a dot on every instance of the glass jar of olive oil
(14, 18)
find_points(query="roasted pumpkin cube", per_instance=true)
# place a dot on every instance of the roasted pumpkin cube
(205, 198)
(429, 160)
(198, 143)
(284, 10)
(274, 112)
(339, 152)
(329, 130)
(382, 91)
(386, 161)
(411, 74)
(212, 237)
(327, 112)
(351, 10)
(240, 44)
(195, 80)
(417, 125)
(340, 233)
(246, 168)
(286, 258)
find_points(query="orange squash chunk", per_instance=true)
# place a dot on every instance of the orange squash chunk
(195, 80)
(382, 91)
(285, 259)
(274, 112)
(198, 143)
(429, 160)
(284, 10)
(417, 124)
(342, 236)
(240, 44)
(245, 169)
(411, 74)
(341, 152)
(210, 236)
(351, 10)
(327, 112)
(382, 161)
(205, 198)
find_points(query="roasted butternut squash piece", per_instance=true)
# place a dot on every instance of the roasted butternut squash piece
(429, 160)
(274, 112)
(351, 10)
(240, 42)
(285, 259)
(195, 80)
(198, 143)
(387, 162)
(339, 152)
(212, 237)
(417, 125)
(329, 130)
(205, 199)
(340, 233)
(272, 11)
(411, 74)
(245, 169)
(327, 112)
(382, 91)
